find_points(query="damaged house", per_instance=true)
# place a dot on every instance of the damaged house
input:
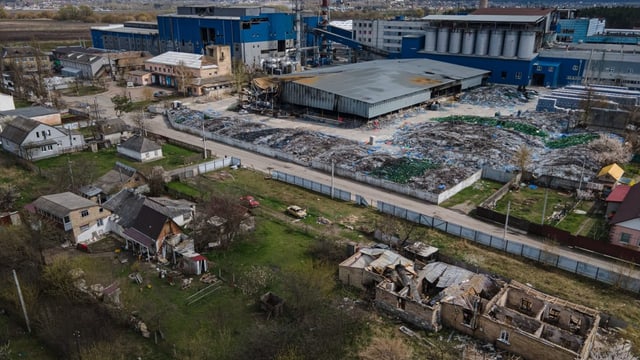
(511, 316)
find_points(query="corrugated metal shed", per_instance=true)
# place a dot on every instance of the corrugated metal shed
(375, 88)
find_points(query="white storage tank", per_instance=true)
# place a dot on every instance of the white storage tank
(443, 40)
(495, 42)
(468, 41)
(482, 42)
(430, 39)
(510, 44)
(455, 40)
(526, 47)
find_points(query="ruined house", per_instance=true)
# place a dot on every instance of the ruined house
(512, 316)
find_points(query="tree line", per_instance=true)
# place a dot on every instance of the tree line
(82, 13)
(621, 17)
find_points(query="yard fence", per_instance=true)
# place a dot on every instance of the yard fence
(311, 185)
(203, 168)
(619, 277)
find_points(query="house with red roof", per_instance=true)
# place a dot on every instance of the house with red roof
(625, 224)
(615, 198)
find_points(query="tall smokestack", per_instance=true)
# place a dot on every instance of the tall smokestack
(483, 4)
(324, 22)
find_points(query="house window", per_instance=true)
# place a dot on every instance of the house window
(538, 68)
(84, 213)
(84, 227)
(518, 75)
(624, 238)
(37, 134)
(554, 315)
(503, 75)
(575, 67)
(504, 336)
(66, 219)
(100, 222)
(49, 132)
(525, 305)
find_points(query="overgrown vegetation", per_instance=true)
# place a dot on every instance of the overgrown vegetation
(494, 121)
(401, 170)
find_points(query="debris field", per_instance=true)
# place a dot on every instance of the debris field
(445, 150)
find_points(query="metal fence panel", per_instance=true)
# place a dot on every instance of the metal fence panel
(498, 243)
(530, 252)
(567, 264)
(549, 258)
(608, 277)
(514, 248)
(440, 225)
(454, 229)
(587, 270)
(426, 220)
(413, 216)
(467, 233)
(482, 238)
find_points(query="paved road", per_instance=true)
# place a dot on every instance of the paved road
(160, 126)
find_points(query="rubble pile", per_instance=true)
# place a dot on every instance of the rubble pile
(496, 96)
(432, 155)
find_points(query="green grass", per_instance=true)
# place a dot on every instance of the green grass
(21, 103)
(22, 345)
(528, 204)
(185, 189)
(579, 223)
(104, 160)
(474, 194)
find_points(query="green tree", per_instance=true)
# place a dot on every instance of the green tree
(121, 104)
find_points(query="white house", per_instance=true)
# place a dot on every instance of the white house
(33, 140)
(6, 102)
(140, 148)
(86, 66)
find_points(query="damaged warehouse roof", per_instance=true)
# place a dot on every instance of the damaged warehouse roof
(374, 88)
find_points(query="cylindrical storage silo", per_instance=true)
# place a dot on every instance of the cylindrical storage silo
(527, 44)
(510, 47)
(468, 40)
(443, 40)
(430, 39)
(482, 42)
(495, 42)
(455, 40)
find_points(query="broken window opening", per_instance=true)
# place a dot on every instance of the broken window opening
(575, 324)
(467, 316)
(554, 315)
(504, 337)
(525, 305)
(400, 303)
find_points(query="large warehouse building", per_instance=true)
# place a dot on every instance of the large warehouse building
(375, 88)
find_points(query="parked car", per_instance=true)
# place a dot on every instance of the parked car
(296, 211)
(249, 201)
(161, 93)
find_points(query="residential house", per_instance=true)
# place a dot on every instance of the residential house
(30, 59)
(119, 178)
(42, 114)
(146, 223)
(149, 230)
(615, 198)
(85, 220)
(113, 131)
(33, 140)
(140, 148)
(83, 65)
(509, 315)
(192, 74)
(625, 224)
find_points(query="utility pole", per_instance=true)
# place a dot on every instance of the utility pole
(70, 171)
(584, 161)
(333, 166)
(506, 221)
(544, 207)
(204, 142)
(24, 308)
(76, 334)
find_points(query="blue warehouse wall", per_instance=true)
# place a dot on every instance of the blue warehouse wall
(192, 34)
(567, 71)
(96, 39)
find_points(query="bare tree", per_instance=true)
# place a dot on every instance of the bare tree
(219, 221)
(139, 121)
(391, 226)
(608, 150)
(522, 158)
(184, 78)
(9, 194)
(240, 75)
